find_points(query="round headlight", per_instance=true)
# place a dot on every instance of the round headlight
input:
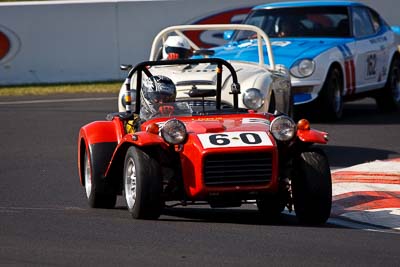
(283, 128)
(174, 132)
(303, 68)
(253, 99)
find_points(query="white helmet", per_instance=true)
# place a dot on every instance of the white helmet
(178, 45)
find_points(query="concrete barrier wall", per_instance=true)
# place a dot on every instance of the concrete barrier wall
(78, 41)
(72, 41)
(60, 43)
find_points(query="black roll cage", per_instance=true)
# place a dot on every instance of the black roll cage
(144, 67)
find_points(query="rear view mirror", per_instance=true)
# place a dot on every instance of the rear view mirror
(125, 67)
(228, 35)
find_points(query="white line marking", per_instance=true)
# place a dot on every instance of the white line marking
(388, 217)
(352, 224)
(14, 209)
(43, 101)
(375, 166)
(343, 188)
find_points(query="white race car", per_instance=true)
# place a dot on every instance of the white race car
(264, 87)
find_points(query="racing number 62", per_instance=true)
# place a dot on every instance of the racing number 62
(223, 140)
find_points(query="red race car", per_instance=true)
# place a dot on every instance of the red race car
(161, 152)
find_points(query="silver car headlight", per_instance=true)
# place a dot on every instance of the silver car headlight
(283, 128)
(303, 68)
(253, 99)
(174, 132)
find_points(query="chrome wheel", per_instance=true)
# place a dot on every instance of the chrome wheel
(142, 183)
(88, 176)
(130, 183)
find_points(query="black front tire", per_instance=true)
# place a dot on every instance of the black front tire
(330, 98)
(142, 183)
(312, 187)
(388, 98)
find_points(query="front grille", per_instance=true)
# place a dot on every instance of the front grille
(237, 169)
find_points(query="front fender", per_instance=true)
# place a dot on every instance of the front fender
(144, 139)
(312, 136)
(272, 84)
(140, 139)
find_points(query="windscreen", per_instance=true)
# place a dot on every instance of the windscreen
(158, 110)
(330, 21)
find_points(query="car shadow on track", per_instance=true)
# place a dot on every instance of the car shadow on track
(359, 112)
(354, 155)
(247, 214)
(231, 215)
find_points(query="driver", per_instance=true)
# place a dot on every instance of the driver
(176, 47)
(156, 91)
(286, 28)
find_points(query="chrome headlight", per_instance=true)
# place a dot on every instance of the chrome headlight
(283, 128)
(303, 68)
(253, 99)
(174, 132)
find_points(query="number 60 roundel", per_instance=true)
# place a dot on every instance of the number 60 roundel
(234, 139)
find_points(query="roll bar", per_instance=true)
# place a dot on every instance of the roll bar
(144, 67)
(178, 29)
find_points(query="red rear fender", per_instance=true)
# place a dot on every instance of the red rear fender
(102, 131)
(98, 134)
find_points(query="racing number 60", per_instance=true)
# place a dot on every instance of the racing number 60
(247, 138)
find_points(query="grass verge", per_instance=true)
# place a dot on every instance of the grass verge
(47, 89)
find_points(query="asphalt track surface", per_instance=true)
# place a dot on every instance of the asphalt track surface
(45, 220)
